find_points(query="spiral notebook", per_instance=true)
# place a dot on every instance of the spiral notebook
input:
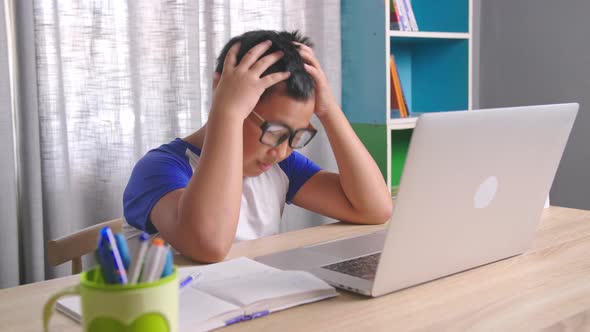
(233, 291)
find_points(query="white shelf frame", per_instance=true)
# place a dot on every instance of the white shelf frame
(409, 123)
(401, 123)
(429, 35)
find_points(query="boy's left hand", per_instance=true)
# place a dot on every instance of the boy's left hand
(324, 100)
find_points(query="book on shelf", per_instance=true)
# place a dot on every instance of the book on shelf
(233, 291)
(401, 14)
(405, 14)
(395, 114)
(393, 16)
(411, 17)
(397, 98)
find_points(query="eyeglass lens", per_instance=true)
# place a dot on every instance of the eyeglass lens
(275, 134)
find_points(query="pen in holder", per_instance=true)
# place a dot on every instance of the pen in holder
(112, 301)
(143, 307)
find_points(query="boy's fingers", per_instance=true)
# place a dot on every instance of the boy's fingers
(231, 56)
(274, 78)
(253, 54)
(309, 58)
(303, 47)
(314, 72)
(311, 70)
(308, 51)
(261, 65)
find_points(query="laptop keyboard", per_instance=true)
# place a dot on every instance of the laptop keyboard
(363, 267)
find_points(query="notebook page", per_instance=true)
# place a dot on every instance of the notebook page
(234, 268)
(266, 285)
(70, 306)
(199, 311)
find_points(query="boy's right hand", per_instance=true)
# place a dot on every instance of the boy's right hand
(240, 85)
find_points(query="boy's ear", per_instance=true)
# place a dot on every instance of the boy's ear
(216, 78)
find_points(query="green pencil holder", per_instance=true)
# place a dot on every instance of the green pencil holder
(143, 307)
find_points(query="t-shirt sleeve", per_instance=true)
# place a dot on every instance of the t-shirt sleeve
(155, 175)
(298, 169)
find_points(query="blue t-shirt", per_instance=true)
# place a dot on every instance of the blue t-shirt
(171, 166)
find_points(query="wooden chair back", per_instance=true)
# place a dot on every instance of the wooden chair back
(73, 246)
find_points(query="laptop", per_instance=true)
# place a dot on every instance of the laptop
(472, 192)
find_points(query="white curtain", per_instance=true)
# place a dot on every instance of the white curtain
(116, 78)
(8, 199)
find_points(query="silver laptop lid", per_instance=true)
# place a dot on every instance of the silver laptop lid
(472, 191)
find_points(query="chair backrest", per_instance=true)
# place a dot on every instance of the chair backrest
(73, 246)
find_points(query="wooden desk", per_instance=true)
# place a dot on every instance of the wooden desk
(548, 289)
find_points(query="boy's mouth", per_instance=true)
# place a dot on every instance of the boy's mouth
(264, 166)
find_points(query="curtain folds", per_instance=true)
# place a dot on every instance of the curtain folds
(9, 272)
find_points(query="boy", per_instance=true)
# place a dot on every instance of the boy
(230, 179)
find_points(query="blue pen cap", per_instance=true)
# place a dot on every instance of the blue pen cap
(109, 258)
(103, 256)
(144, 236)
(123, 249)
(168, 266)
(102, 235)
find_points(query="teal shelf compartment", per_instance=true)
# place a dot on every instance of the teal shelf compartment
(442, 16)
(433, 72)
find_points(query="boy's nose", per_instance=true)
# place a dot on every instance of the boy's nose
(281, 151)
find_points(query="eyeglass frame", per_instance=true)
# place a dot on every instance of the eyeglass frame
(265, 124)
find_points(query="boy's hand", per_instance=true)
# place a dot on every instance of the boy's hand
(240, 85)
(324, 100)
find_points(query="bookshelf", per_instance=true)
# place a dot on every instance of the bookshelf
(434, 66)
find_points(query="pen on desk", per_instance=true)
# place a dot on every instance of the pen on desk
(191, 278)
(139, 258)
(257, 314)
(112, 265)
(155, 261)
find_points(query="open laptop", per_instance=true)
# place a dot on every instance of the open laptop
(472, 192)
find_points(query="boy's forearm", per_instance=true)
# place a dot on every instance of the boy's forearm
(210, 205)
(360, 177)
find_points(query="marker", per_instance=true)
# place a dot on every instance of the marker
(155, 261)
(168, 265)
(259, 314)
(139, 258)
(254, 315)
(234, 320)
(123, 249)
(193, 277)
(112, 265)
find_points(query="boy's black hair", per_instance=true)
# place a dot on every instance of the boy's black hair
(300, 84)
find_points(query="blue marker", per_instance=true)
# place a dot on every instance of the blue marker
(123, 249)
(168, 268)
(234, 320)
(111, 263)
(259, 314)
(255, 315)
(193, 277)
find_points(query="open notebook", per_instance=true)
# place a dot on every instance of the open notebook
(233, 291)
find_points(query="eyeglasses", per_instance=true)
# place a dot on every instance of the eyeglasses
(275, 133)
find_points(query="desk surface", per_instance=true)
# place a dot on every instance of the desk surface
(547, 288)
